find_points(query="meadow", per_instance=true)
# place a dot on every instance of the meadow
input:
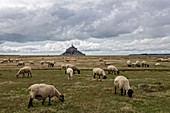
(85, 94)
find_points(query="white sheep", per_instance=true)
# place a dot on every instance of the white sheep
(42, 91)
(138, 63)
(69, 71)
(129, 63)
(99, 71)
(123, 83)
(50, 63)
(63, 66)
(145, 64)
(112, 69)
(157, 64)
(17, 60)
(23, 71)
(21, 63)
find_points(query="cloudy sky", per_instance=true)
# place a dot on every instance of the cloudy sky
(95, 27)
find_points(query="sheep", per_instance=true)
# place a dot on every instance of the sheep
(5, 60)
(112, 68)
(63, 66)
(99, 71)
(23, 71)
(69, 71)
(157, 64)
(138, 63)
(145, 64)
(50, 63)
(42, 62)
(42, 91)
(31, 62)
(21, 63)
(73, 67)
(17, 60)
(129, 63)
(100, 60)
(10, 60)
(106, 63)
(123, 83)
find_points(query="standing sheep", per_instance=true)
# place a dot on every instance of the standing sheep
(23, 71)
(129, 63)
(99, 71)
(145, 64)
(42, 91)
(138, 63)
(69, 71)
(112, 69)
(123, 83)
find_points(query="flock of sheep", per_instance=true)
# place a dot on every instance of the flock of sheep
(42, 91)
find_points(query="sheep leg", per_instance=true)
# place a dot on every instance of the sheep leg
(23, 75)
(125, 92)
(49, 101)
(94, 76)
(121, 91)
(99, 76)
(108, 72)
(43, 102)
(114, 72)
(30, 103)
(30, 74)
(115, 89)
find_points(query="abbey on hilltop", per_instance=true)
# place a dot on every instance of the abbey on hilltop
(72, 51)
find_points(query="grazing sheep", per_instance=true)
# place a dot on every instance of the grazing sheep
(106, 63)
(63, 66)
(31, 62)
(138, 63)
(69, 71)
(21, 63)
(42, 62)
(100, 60)
(145, 64)
(10, 60)
(129, 63)
(123, 83)
(42, 91)
(73, 67)
(5, 61)
(23, 71)
(99, 71)
(17, 60)
(112, 69)
(157, 64)
(50, 63)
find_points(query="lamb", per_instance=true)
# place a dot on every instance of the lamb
(112, 69)
(21, 63)
(23, 71)
(69, 71)
(73, 67)
(145, 64)
(123, 83)
(129, 63)
(42, 91)
(99, 71)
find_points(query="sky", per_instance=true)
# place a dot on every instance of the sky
(95, 27)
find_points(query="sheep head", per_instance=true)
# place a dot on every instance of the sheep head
(130, 92)
(61, 98)
(104, 77)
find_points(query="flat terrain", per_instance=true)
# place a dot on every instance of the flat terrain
(84, 94)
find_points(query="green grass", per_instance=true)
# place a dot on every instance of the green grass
(85, 94)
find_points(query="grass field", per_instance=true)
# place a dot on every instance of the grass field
(85, 94)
